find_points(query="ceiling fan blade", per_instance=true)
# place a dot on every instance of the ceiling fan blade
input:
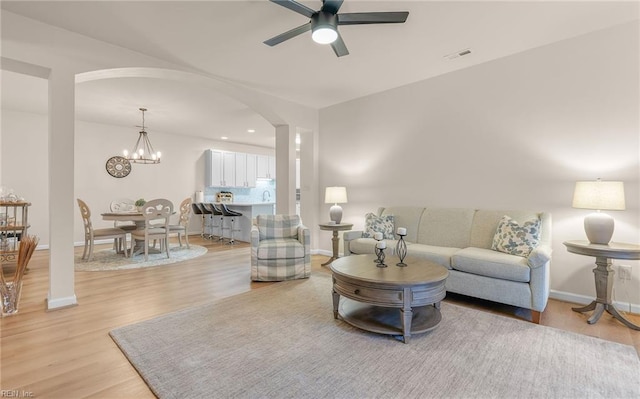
(288, 35)
(362, 18)
(339, 47)
(331, 6)
(295, 6)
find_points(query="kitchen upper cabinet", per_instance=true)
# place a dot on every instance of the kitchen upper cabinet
(266, 167)
(220, 168)
(245, 170)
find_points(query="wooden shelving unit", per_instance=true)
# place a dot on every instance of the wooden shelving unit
(14, 223)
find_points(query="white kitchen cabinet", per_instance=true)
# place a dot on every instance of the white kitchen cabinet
(220, 168)
(245, 170)
(266, 167)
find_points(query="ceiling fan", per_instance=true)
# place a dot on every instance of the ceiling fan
(324, 23)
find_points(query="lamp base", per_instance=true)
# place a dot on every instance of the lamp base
(599, 228)
(335, 213)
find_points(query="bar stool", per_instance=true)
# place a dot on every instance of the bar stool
(228, 213)
(216, 215)
(197, 210)
(206, 212)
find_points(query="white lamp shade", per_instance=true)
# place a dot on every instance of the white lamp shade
(335, 195)
(599, 195)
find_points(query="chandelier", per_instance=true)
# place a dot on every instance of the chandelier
(143, 151)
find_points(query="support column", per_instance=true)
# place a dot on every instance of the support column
(285, 170)
(61, 189)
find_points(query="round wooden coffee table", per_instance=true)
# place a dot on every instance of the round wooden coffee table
(371, 295)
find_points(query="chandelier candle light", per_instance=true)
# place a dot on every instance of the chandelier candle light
(143, 151)
(335, 196)
(599, 195)
(401, 246)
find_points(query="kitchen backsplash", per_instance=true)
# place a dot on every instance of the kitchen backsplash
(246, 195)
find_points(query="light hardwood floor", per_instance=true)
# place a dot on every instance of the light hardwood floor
(68, 353)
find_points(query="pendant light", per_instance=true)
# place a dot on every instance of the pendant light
(143, 151)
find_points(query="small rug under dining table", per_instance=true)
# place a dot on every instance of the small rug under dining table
(108, 259)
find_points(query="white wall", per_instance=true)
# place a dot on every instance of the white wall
(23, 155)
(514, 133)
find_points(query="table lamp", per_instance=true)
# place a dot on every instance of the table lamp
(335, 196)
(600, 196)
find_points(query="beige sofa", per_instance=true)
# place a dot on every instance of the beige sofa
(461, 240)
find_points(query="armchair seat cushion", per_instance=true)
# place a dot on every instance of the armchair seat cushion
(280, 248)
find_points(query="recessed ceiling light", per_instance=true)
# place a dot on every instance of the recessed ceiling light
(224, 138)
(251, 130)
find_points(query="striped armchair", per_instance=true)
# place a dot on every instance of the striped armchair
(280, 248)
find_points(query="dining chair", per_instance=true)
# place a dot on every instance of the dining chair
(156, 225)
(183, 223)
(91, 234)
(122, 205)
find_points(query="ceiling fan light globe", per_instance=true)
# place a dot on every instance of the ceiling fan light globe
(324, 35)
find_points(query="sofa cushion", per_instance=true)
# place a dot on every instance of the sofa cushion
(489, 263)
(362, 246)
(378, 224)
(486, 221)
(280, 248)
(445, 227)
(278, 226)
(516, 239)
(439, 255)
(407, 217)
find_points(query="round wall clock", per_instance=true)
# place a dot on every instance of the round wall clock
(118, 166)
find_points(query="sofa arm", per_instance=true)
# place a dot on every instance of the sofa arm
(539, 256)
(352, 235)
(348, 236)
(255, 236)
(304, 237)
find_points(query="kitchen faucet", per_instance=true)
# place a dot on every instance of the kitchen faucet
(266, 195)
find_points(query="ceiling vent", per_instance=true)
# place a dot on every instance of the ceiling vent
(458, 54)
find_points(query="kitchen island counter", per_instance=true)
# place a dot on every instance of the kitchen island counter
(249, 211)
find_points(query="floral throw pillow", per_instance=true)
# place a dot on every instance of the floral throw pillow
(516, 239)
(378, 224)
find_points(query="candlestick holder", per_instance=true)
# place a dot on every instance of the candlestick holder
(401, 250)
(376, 250)
(381, 256)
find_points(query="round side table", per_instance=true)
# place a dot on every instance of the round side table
(335, 240)
(604, 275)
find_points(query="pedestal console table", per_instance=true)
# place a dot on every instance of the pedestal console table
(604, 275)
(335, 239)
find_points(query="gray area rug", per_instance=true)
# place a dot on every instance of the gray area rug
(282, 341)
(108, 259)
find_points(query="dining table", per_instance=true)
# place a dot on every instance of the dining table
(138, 219)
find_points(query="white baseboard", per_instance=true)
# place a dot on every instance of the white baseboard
(585, 300)
(322, 252)
(58, 303)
